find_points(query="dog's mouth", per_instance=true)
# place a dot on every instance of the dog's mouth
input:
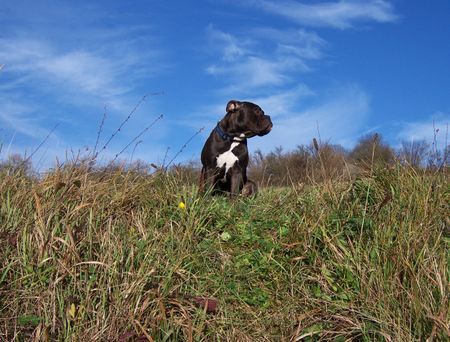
(258, 132)
(266, 130)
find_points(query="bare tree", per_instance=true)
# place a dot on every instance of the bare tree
(371, 151)
(17, 164)
(414, 153)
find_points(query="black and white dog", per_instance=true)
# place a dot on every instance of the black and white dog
(225, 154)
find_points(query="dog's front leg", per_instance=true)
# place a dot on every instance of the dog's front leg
(236, 182)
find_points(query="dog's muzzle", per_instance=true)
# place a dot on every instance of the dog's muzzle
(267, 129)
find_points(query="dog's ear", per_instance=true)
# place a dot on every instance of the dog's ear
(233, 106)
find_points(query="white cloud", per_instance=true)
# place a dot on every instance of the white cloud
(283, 103)
(255, 72)
(434, 129)
(230, 47)
(64, 64)
(337, 14)
(43, 81)
(338, 118)
(77, 71)
(85, 71)
(264, 58)
(306, 45)
(16, 116)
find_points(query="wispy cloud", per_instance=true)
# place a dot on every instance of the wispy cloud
(336, 14)
(45, 80)
(231, 47)
(434, 129)
(16, 117)
(338, 116)
(264, 58)
(307, 45)
(284, 103)
(256, 71)
(76, 71)
(62, 61)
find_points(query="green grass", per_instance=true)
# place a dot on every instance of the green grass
(96, 256)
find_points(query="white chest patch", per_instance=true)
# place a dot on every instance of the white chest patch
(227, 158)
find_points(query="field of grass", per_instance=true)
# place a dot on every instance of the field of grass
(98, 256)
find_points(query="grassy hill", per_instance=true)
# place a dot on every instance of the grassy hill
(114, 256)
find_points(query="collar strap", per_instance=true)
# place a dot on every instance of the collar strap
(222, 134)
(225, 136)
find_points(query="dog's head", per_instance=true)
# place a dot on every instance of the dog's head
(246, 119)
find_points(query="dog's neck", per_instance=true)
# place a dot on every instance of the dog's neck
(224, 135)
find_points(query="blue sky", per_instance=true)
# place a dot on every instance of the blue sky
(344, 68)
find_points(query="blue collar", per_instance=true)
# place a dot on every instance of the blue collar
(222, 134)
(227, 137)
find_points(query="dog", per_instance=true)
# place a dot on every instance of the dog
(225, 154)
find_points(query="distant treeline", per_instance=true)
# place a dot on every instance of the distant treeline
(320, 161)
(311, 163)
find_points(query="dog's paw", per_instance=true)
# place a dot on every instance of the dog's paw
(250, 189)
